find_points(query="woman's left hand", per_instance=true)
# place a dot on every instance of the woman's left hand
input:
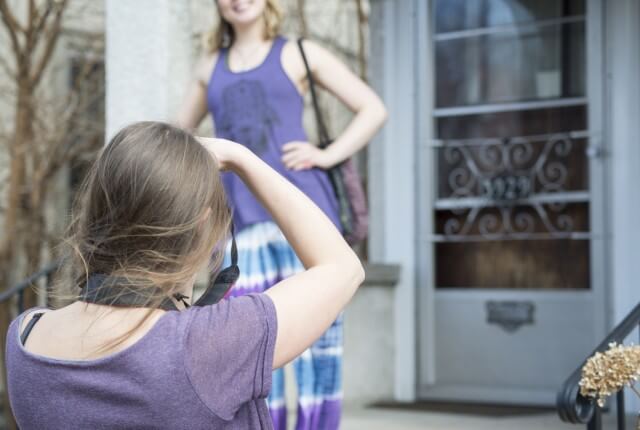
(304, 155)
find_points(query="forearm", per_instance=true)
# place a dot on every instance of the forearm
(364, 125)
(307, 302)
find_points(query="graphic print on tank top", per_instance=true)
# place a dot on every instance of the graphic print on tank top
(247, 117)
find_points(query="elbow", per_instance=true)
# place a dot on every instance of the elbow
(384, 113)
(381, 113)
(360, 273)
(357, 271)
(375, 112)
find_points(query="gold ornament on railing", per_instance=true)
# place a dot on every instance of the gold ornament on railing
(606, 373)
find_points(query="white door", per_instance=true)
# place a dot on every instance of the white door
(511, 256)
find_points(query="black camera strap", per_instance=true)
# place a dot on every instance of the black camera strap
(114, 291)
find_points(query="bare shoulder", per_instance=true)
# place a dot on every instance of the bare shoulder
(291, 54)
(314, 52)
(293, 65)
(205, 65)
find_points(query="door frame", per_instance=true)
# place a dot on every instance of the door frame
(426, 386)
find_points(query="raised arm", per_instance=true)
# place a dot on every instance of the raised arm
(370, 113)
(306, 303)
(194, 105)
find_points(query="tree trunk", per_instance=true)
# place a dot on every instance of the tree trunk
(34, 31)
(24, 143)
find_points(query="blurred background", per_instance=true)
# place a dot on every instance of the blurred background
(503, 190)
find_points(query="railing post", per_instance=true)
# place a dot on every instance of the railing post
(20, 302)
(596, 421)
(620, 409)
(47, 289)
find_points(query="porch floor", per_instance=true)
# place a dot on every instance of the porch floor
(358, 418)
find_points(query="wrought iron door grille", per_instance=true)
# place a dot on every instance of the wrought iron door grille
(515, 188)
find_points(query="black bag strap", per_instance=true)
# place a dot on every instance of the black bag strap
(27, 330)
(323, 134)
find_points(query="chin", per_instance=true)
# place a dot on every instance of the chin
(241, 12)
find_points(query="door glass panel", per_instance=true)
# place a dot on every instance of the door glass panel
(512, 176)
(458, 15)
(535, 64)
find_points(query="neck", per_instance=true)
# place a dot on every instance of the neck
(249, 34)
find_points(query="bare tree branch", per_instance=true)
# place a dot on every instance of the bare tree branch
(12, 26)
(12, 21)
(41, 20)
(31, 14)
(51, 38)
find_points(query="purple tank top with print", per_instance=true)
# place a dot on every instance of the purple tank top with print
(262, 109)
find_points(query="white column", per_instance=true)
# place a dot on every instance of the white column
(624, 139)
(623, 133)
(148, 60)
(392, 176)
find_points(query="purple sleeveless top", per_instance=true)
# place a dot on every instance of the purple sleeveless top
(262, 109)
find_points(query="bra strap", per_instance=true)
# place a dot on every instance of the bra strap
(27, 330)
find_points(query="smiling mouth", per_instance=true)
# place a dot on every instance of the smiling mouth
(239, 8)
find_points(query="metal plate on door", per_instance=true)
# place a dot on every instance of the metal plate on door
(510, 315)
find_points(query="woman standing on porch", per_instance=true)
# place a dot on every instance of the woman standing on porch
(252, 81)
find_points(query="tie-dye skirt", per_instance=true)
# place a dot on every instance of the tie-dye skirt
(265, 258)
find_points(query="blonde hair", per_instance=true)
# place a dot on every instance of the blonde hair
(223, 35)
(151, 212)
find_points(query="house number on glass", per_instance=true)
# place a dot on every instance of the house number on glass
(507, 187)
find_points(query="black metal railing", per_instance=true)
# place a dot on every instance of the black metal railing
(577, 409)
(18, 290)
